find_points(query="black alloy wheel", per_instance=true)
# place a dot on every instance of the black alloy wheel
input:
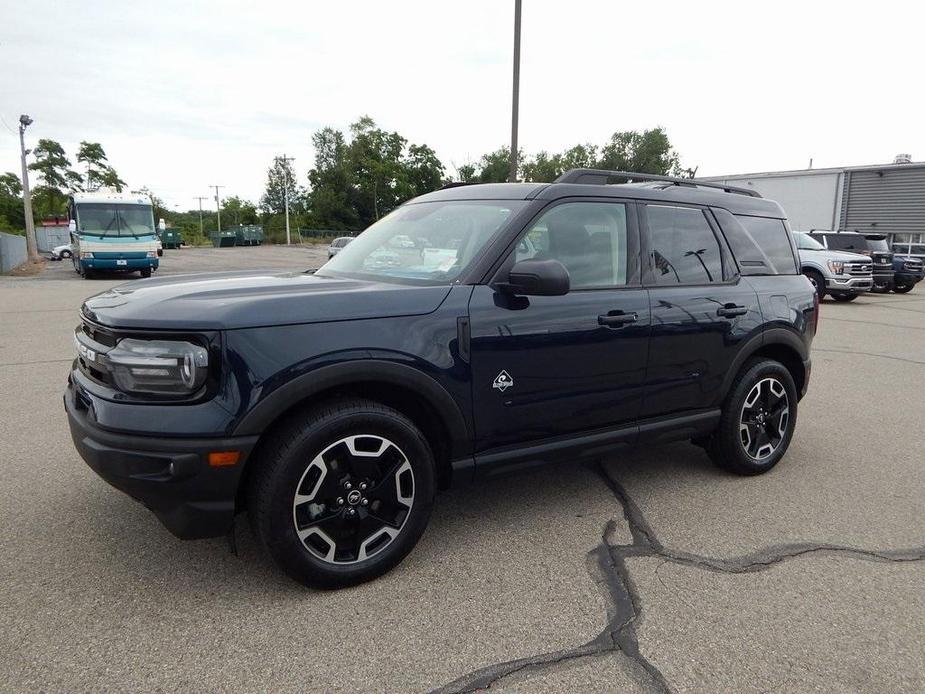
(757, 420)
(765, 418)
(341, 492)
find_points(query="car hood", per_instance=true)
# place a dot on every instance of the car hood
(839, 256)
(231, 300)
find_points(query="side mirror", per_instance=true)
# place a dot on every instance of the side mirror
(537, 278)
(72, 226)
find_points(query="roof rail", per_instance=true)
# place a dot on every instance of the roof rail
(601, 176)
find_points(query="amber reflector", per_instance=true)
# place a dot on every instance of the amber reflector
(224, 458)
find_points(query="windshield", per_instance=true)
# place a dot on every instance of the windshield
(805, 242)
(112, 219)
(877, 243)
(430, 241)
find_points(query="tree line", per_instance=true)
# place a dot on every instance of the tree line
(357, 177)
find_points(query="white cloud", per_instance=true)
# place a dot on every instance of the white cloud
(184, 95)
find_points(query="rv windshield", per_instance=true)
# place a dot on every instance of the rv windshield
(109, 219)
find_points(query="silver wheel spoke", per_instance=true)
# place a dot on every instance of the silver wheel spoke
(764, 419)
(361, 495)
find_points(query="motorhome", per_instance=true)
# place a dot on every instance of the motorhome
(112, 232)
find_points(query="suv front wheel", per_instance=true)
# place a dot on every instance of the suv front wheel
(758, 419)
(342, 492)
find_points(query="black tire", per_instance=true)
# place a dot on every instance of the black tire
(818, 282)
(65, 254)
(903, 288)
(727, 447)
(146, 272)
(86, 274)
(288, 465)
(845, 297)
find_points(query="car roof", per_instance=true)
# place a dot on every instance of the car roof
(649, 191)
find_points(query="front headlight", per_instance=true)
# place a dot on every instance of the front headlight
(86, 254)
(836, 266)
(152, 254)
(158, 366)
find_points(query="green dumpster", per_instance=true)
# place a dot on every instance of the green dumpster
(171, 238)
(248, 234)
(223, 239)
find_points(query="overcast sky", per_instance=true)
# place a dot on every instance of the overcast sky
(183, 95)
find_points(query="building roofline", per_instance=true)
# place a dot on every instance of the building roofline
(812, 172)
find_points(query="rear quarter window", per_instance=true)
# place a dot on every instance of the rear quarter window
(761, 245)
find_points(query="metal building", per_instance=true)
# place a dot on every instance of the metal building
(882, 198)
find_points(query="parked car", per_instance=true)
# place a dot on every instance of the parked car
(331, 406)
(909, 271)
(873, 246)
(337, 245)
(61, 252)
(843, 276)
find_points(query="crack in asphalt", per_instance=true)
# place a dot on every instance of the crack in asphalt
(625, 611)
(867, 354)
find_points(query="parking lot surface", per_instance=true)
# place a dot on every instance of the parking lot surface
(650, 570)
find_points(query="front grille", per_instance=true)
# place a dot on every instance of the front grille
(913, 265)
(860, 269)
(98, 333)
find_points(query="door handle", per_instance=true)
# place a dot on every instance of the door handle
(730, 310)
(616, 319)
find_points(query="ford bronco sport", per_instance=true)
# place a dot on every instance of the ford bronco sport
(526, 323)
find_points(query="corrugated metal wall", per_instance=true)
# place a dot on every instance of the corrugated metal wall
(889, 200)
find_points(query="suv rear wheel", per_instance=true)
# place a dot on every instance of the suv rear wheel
(342, 492)
(758, 419)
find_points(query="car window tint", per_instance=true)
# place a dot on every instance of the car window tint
(683, 247)
(772, 238)
(846, 242)
(588, 238)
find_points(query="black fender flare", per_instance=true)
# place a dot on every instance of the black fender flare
(362, 370)
(771, 336)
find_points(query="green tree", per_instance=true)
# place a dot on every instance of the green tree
(375, 160)
(12, 216)
(647, 152)
(238, 211)
(99, 172)
(424, 170)
(273, 200)
(56, 179)
(332, 193)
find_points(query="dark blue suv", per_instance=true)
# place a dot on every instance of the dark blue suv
(475, 330)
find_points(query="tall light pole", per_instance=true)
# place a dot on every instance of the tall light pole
(283, 161)
(31, 246)
(200, 198)
(512, 175)
(218, 206)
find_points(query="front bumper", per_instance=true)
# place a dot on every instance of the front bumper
(906, 278)
(171, 476)
(854, 285)
(129, 265)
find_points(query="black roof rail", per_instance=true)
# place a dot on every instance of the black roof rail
(601, 176)
(455, 184)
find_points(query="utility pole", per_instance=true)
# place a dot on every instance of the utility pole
(31, 246)
(515, 103)
(284, 160)
(200, 198)
(218, 206)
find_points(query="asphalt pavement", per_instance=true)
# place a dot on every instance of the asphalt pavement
(647, 571)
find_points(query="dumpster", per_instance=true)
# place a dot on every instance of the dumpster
(248, 234)
(171, 237)
(223, 239)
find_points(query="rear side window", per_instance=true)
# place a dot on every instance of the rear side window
(761, 245)
(683, 247)
(846, 242)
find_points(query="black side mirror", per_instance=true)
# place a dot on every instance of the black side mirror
(537, 278)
